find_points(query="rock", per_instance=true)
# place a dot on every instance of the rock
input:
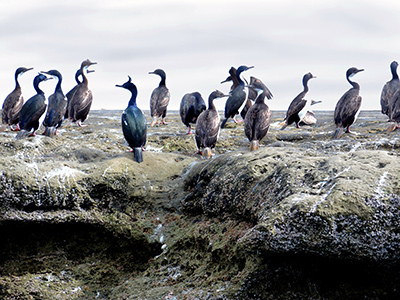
(78, 216)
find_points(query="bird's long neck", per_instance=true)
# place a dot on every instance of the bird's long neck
(305, 85)
(132, 101)
(260, 97)
(85, 80)
(211, 105)
(77, 74)
(354, 84)
(162, 82)
(240, 81)
(17, 86)
(58, 86)
(36, 86)
(393, 68)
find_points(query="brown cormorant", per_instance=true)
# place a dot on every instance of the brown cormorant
(389, 90)
(236, 98)
(258, 117)
(81, 100)
(159, 99)
(73, 90)
(32, 110)
(348, 106)
(192, 104)
(13, 103)
(297, 104)
(133, 123)
(207, 126)
(57, 105)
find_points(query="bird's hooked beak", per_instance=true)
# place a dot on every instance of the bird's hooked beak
(28, 69)
(90, 71)
(226, 80)
(118, 85)
(251, 67)
(313, 102)
(360, 70)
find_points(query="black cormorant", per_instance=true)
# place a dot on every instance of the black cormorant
(73, 90)
(236, 98)
(389, 90)
(81, 100)
(348, 105)
(33, 109)
(159, 99)
(207, 126)
(192, 104)
(57, 105)
(251, 95)
(134, 123)
(298, 103)
(258, 117)
(13, 103)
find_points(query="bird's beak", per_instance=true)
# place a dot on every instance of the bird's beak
(118, 85)
(251, 67)
(360, 70)
(28, 69)
(93, 63)
(90, 71)
(226, 80)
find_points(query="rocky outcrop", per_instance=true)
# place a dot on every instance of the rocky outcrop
(80, 218)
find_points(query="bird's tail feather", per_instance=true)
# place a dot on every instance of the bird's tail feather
(138, 153)
(224, 122)
(338, 133)
(254, 145)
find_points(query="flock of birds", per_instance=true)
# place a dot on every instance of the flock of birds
(74, 107)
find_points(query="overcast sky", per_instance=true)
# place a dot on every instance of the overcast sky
(196, 42)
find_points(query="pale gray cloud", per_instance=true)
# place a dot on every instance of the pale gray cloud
(196, 42)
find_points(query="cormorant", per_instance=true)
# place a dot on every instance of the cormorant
(348, 106)
(192, 104)
(133, 123)
(251, 95)
(159, 99)
(73, 90)
(389, 90)
(207, 126)
(56, 107)
(81, 100)
(236, 98)
(297, 104)
(33, 109)
(258, 117)
(13, 103)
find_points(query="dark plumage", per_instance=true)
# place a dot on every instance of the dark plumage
(56, 107)
(251, 96)
(297, 104)
(81, 101)
(348, 106)
(192, 104)
(13, 103)
(159, 99)
(32, 110)
(236, 98)
(133, 123)
(258, 117)
(207, 126)
(389, 91)
(73, 90)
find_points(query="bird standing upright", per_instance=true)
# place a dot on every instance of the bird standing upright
(192, 105)
(32, 110)
(57, 105)
(207, 126)
(13, 103)
(159, 99)
(258, 117)
(297, 104)
(348, 106)
(133, 123)
(389, 90)
(236, 98)
(81, 100)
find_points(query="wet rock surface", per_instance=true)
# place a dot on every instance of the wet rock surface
(80, 219)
